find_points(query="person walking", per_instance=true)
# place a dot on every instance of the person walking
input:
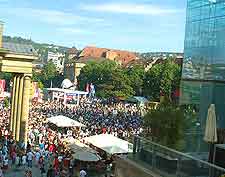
(30, 158)
(50, 172)
(42, 166)
(1, 173)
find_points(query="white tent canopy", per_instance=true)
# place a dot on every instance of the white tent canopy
(62, 121)
(82, 152)
(110, 144)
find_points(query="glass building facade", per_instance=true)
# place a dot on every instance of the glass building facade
(203, 75)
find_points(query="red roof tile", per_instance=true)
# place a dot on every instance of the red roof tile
(117, 55)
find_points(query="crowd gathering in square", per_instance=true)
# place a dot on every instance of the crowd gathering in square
(46, 148)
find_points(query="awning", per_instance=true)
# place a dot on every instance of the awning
(82, 152)
(86, 156)
(110, 144)
(62, 121)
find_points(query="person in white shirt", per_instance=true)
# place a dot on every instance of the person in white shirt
(83, 173)
(5, 163)
(24, 160)
(37, 157)
(29, 159)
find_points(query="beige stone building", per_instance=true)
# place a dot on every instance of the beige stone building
(17, 59)
(72, 69)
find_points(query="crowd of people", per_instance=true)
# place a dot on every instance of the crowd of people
(119, 119)
(45, 147)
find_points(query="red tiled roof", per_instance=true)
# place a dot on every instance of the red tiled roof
(121, 56)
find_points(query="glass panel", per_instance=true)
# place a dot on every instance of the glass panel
(167, 162)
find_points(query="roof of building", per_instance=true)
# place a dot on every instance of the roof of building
(95, 52)
(73, 50)
(142, 62)
(90, 59)
(19, 48)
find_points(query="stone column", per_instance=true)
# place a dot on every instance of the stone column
(19, 105)
(11, 122)
(15, 105)
(25, 109)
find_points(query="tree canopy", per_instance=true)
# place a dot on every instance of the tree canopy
(162, 79)
(166, 123)
(109, 78)
(48, 75)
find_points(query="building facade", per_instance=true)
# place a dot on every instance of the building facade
(58, 59)
(72, 71)
(203, 75)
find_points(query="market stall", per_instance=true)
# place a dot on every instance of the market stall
(66, 95)
(66, 126)
(62, 121)
(110, 144)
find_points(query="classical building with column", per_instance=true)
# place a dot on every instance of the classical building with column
(17, 59)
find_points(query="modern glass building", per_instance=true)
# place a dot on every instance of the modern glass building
(203, 75)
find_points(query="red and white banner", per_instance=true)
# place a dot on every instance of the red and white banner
(2, 88)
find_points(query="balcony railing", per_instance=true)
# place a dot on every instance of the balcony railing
(170, 163)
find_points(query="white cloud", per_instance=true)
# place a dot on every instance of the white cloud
(71, 30)
(51, 16)
(129, 8)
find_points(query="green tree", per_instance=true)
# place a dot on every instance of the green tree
(170, 76)
(162, 79)
(49, 71)
(152, 82)
(7, 77)
(136, 76)
(97, 73)
(166, 123)
(109, 79)
(40, 85)
(48, 75)
(6, 102)
(118, 85)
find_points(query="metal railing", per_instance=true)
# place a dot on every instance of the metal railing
(170, 163)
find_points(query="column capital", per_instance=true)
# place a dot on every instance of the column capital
(27, 75)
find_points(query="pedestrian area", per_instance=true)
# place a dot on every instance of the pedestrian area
(20, 172)
(15, 171)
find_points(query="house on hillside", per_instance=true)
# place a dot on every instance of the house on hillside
(72, 53)
(58, 60)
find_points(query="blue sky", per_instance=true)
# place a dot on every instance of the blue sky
(136, 25)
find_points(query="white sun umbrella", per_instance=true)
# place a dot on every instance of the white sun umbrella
(210, 128)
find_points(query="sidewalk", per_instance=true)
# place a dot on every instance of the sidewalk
(20, 172)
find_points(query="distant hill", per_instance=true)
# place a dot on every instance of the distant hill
(158, 55)
(41, 48)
